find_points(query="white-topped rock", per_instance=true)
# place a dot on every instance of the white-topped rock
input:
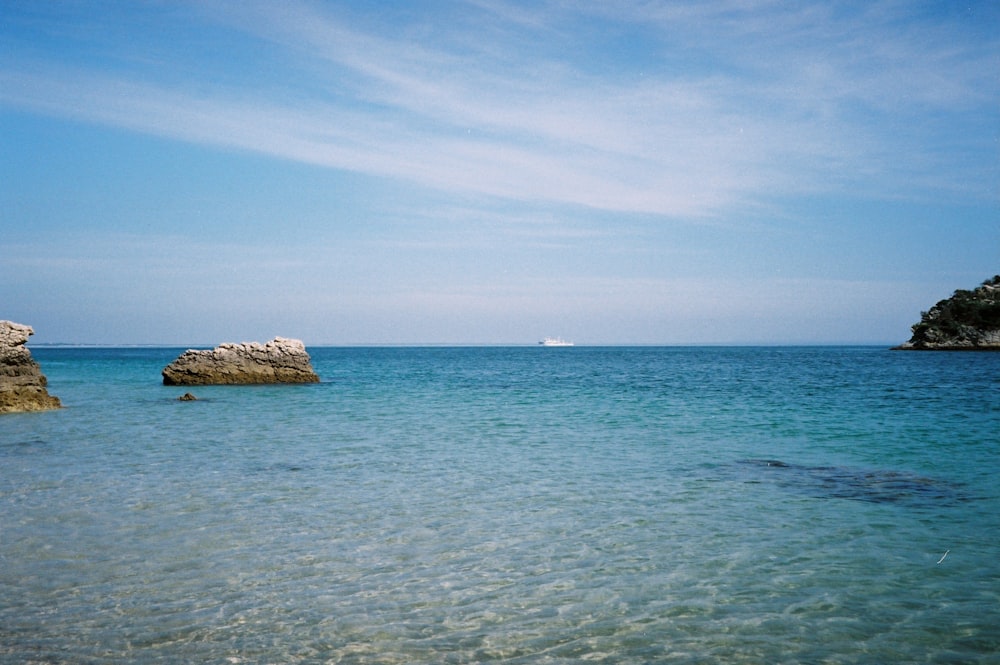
(22, 384)
(279, 361)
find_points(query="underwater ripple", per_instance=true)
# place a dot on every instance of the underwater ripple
(626, 505)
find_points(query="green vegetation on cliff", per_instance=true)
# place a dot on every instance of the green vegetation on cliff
(966, 320)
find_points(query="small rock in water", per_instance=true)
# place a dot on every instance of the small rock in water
(187, 397)
(279, 361)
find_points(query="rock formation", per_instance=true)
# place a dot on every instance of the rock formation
(967, 321)
(22, 384)
(279, 361)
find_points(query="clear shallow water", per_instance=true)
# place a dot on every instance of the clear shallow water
(515, 505)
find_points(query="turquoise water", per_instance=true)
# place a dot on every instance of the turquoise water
(512, 505)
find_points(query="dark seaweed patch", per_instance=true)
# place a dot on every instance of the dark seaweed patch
(835, 482)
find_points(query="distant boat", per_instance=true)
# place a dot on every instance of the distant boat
(555, 341)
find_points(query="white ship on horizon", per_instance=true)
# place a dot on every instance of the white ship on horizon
(555, 341)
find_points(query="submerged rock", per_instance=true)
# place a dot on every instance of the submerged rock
(22, 384)
(279, 361)
(835, 482)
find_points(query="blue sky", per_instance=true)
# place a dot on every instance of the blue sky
(494, 172)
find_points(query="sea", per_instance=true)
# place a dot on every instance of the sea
(512, 504)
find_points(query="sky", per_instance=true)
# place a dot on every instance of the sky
(493, 172)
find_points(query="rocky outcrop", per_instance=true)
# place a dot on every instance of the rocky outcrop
(967, 321)
(279, 361)
(22, 384)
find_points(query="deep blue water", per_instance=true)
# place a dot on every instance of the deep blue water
(513, 505)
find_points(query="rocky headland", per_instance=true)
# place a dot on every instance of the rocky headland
(967, 321)
(279, 361)
(22, 384)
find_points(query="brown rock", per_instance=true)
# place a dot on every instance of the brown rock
(22, 384)
(279, 361)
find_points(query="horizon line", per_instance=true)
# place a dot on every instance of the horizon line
(346, 345)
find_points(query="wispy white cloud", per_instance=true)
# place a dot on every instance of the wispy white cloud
(812, 102)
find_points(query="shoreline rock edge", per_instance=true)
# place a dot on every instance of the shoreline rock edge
(967, 321)
(281, 360)
(22, 384)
